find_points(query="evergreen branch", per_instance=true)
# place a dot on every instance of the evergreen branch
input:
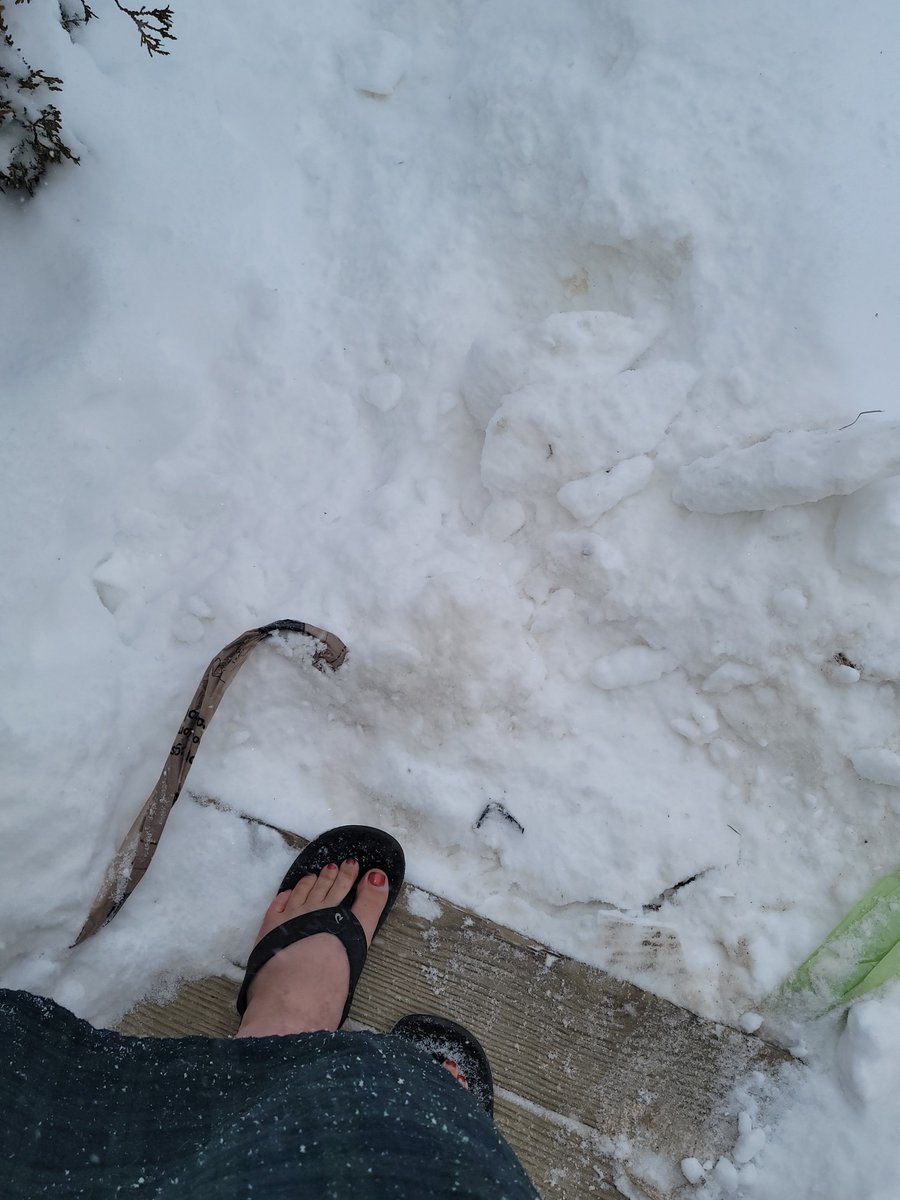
(153, 24)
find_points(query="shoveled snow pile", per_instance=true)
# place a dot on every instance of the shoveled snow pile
(521, 345)
(790, 468)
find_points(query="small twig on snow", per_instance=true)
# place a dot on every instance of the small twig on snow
(865, 412)
(494, 806)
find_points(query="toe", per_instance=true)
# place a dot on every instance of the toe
(299, 896)
(346, 877)
(450, 1065)
(279, 903)
(318, 893)
(371, 897)
(274, 914)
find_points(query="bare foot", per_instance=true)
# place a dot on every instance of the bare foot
(304, 987)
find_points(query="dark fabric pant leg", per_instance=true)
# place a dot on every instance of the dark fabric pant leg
(93, 1114)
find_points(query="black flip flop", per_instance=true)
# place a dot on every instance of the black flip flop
(371, 848)
(444, 1039)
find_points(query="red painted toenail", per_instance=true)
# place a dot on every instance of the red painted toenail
(331, 867)
(350, 862)
(377, 879)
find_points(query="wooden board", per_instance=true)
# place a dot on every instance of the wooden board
(580, 1059)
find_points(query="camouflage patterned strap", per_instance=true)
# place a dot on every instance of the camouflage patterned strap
(133, 856)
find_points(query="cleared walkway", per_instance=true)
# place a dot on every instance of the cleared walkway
(581, 1060)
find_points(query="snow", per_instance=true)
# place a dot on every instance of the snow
(512, 342)
(726, 1176)
(834, 1135)
(868, 1050)
(421, 904)
(867, 530)
(879, 765)
(384, 391)
(790, 468)
(375, 62)
(589, 498)
(631, 666)
(565, 345)
(731, 675)
(750, 1022)
(544, 436)
(692, 1169)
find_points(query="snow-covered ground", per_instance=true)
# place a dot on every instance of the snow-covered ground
(512, 342)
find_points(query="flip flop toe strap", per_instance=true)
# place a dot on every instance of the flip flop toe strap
(338, 921)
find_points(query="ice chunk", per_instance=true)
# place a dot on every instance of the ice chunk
(589, 498)
(750, 1022)
(789, 468)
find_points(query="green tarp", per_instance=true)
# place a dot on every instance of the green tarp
(859, 955)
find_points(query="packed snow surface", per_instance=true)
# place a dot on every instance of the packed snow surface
(522, 346)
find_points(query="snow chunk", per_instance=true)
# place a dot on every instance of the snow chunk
(692, 1169)
(503, 518)
(423, 904)
(869, 1049)
(544, 436)
(564, 346)
(750, 1141)
(383, 391)
(631, 666)
(375, 62)
(723, 752)
(748, 1146)
(187, 629)
(878, 765)
(841, 673)
(702, 723)
(589, 498)
(867, 533)
(790, 604)
(726, 1175)
(750, 1022)
(731, 675)
(789, 468)
(198, 607)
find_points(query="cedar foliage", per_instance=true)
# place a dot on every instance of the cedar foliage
(31, 136)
